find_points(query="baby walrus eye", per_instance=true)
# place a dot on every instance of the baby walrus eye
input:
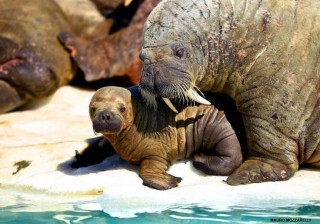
(122, 109)
(179, 52)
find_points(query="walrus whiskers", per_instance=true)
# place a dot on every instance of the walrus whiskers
(185, 95)
(184, 91)
(149, 99)
(190, 91)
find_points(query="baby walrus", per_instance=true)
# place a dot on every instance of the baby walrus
(155, 139)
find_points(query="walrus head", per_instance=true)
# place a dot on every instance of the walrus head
(168, 76)
(110, 110)
(171, 60)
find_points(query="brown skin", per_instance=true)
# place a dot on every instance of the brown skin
(155, 139)
(263, 54)
(33, 63)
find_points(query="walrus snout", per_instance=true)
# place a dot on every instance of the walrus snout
(147, 79)
(107, 121)
(168, 82)
(163, 80)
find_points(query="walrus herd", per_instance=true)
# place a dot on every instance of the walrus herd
(263, 54)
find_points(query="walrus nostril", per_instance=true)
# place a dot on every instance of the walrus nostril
(148, 71)
(105, 116)
(146, 61)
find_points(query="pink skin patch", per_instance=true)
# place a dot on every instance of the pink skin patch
(5, 67)
(73, 50)
(283, 174)
(290, 79)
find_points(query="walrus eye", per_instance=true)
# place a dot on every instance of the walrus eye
(122, 109)
(179, 52)
(93, 110)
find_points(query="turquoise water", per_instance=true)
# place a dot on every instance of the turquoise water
(191, 214)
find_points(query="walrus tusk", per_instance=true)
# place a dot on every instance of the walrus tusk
(192, 94)
(127, 2)
(169, 104)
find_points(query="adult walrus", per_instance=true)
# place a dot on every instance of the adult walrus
(157, 138)
(264, 54)
(33, 63)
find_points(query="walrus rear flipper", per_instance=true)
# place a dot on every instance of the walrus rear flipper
(221, 154)
(97, 150)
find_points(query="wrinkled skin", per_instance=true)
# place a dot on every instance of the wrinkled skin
(111, 55)
(33, 63)
(263, 54)
(155, 139)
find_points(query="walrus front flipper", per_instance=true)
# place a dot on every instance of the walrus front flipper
(257, 170)
(153, 173)
(273, 154)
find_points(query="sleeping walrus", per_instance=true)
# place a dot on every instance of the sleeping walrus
(157, 138)
(264, 54)
(33, 63)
